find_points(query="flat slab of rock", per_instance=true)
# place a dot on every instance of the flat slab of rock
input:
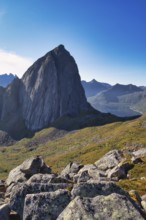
(45, 205)
(92, 189)
(109, 160)
(111, 207)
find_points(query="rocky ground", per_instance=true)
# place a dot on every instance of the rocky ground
(33, 192)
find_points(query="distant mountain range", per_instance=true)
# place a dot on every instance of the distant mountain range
(120, 100)
(93, 87)
(6, 79)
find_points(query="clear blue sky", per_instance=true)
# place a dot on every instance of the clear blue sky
(106, 37)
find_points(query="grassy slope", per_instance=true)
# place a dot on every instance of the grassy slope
(86, 146)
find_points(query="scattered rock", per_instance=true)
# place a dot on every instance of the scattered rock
(81, 177)
(80, 192)
(33, 165)
(45, 205)
(140, 153)
(109, 160)
(89, 172)
(119, 172)
(71, 169)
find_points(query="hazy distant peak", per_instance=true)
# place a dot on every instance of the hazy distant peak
(93, 81)
(6, 79)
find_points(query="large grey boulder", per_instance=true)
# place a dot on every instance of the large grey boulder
(109, 160)
(111, 207)
(88, 172)
(45, 205)
(94, 188)
(23, 172)
(18, 195)
(28, 168)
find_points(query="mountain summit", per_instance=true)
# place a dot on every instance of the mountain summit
(49, 89)
(52, 89)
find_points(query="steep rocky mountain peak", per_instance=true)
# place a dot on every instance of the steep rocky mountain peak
(52, 89)
(49, 89)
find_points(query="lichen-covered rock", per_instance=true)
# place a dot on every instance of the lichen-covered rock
(18, 196)
(89, 172)
(111, 207)
(81, 177)
(43, 206)
(117, 173)
(41, 178)
(23, 172)
(47, 178)
(4, 212)
(109, 160)
(34, 165)
(92, 189)
(71, 168)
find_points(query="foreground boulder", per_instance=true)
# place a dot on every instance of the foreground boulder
(18, 195)
(113, 207)
(93, 188)
(23, 172)
(43, 206)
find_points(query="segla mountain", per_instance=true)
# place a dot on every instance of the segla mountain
(49, 90)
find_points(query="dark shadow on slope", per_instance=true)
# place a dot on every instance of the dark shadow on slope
(68, 123)
(88, 119)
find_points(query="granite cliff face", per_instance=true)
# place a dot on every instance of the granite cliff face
(50, 89)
